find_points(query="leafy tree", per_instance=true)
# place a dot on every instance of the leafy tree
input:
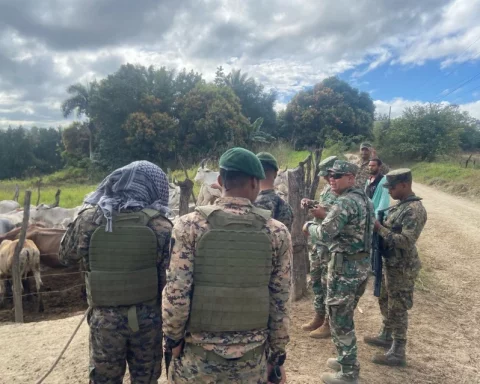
(254, 100)
(76, 141)
(332, 105)
(210, 120)
(151, 137)
(80, 102)
(426, 132)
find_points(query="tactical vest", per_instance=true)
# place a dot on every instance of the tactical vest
(233, 264)
(123, 263)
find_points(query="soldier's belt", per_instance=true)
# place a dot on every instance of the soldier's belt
(338, 258)
(212, 356)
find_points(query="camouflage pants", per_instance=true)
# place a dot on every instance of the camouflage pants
(396, 298)
(113, 344)
(319, 258)
(192, 368)
(345, 286)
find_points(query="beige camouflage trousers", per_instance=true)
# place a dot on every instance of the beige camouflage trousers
(192, 368)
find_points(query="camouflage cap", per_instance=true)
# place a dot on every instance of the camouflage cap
(342, 166)
(325, 164)
(242, 160)
(403, 175)
(268, 158)
(365, 145)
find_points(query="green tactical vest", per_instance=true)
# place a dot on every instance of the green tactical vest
(233, 264)
(123, 263)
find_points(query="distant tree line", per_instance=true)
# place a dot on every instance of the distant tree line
(30, 152)
(162, 115)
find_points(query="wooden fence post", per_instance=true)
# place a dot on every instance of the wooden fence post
(39, 185)
(296, 189)
(17, 193)
(17, 279)
(57, 198)
(186, 189)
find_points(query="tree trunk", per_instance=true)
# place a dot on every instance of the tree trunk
(186, 189)
(90, 141)
(296, 189)
(316, 178)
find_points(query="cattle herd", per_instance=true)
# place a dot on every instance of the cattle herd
(47, 226)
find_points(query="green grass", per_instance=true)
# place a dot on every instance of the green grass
(449, 176)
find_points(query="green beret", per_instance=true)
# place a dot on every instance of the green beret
(365, 145)
(342, 166)
(403, 175)
(242, 160)
(267, 158)
(325, 164)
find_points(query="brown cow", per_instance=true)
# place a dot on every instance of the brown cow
(29, 262)
(46, 239)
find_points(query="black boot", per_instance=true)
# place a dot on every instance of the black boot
(384, 338)
(395, 357)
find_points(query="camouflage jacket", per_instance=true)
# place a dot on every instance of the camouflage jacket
(177, 293)
(363, 173)
(348, 227)
(76, 242)
(281, 210)
(401, 231)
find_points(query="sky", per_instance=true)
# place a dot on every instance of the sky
(401, 52)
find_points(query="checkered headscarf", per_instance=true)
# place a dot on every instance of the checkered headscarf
(140, 184)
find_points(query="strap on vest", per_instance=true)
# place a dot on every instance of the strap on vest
(132, 318)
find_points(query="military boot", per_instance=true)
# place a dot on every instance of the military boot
(333, 363)
(384, 339)
(395, 357)
(348, 374)
(316, 322)
(323, 332)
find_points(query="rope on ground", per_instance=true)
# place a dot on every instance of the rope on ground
(64, 349)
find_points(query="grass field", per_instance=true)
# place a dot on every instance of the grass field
(75, 183)
(450, 176)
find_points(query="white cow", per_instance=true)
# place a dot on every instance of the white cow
(7, 206)
(54, 217)
(207, 177)
(173, 196)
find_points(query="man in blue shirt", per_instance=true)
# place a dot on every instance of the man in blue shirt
(374, 186)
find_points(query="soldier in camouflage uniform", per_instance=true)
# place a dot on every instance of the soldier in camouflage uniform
(399, 234)
(225, 302)
(125, 313)
(267, 198)
(347, 229)
(319, 255)
(367, 153)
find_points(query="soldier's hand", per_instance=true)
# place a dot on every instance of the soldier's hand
(305, 202)
(319, 212)
(305, 228)
(377, 226)
(177, 350)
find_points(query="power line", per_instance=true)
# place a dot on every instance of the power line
(449, 73)
(460, 86)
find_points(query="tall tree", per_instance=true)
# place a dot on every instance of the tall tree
(80, 102)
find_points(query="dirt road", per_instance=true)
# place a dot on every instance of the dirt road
(444, 335)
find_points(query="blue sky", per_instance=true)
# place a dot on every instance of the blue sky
(401, 52)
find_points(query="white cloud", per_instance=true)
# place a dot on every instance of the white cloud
(46, 46)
